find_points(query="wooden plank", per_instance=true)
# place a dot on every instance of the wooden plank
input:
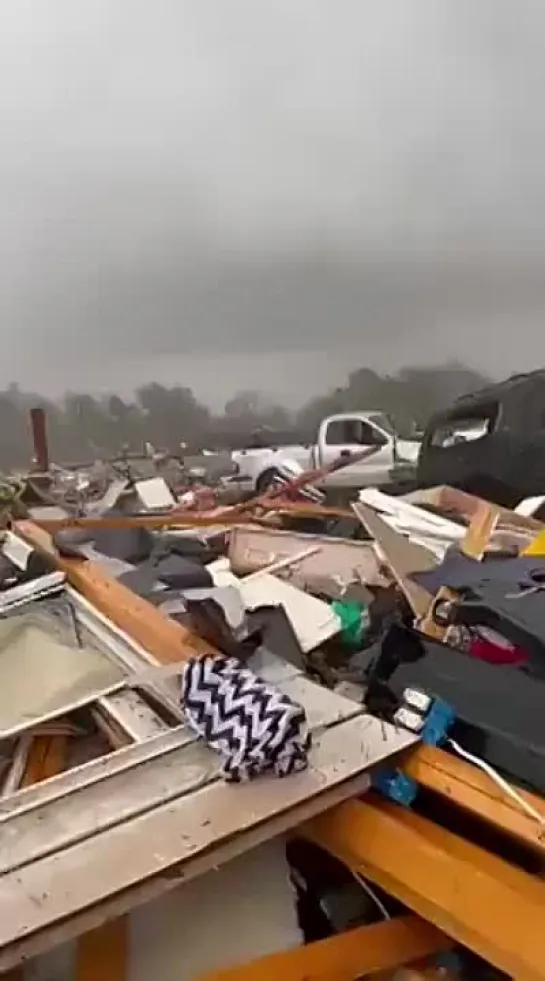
(270, 668)
(119, 903)
(56, 714)
(152, 522)
(465, 506)
(481, 901)
(166, 639)
(64, 821)
(474, 544)
(94, 771)
(323, 707)
(133, 715)
(13, 778)
(471, 789)
(481, 527)
(536, 546)
(181, 839)
(252, 549)
(402, 556)
(364, 950)
(408, 516)
(104, 953)
(46, 758)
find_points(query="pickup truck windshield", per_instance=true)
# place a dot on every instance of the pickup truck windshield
(382, 420)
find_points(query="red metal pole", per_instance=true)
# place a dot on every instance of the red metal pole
(39, 439)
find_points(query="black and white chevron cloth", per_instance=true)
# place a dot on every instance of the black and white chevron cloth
(254, 727)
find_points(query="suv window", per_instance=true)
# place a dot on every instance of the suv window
(352, 432)
(460, 431)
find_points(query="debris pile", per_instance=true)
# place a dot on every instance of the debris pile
(338, 593)
(289, 635)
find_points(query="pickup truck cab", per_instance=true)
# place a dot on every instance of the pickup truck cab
(339, 436)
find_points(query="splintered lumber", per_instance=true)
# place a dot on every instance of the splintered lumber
(475, 541)
(352, 954)
(104, 952)
(170, 519)
(451, 500)
(537, 545)
(402, 556)
(46, 757)
(475, 792)
(275, 494)
(190, 822)
(476, 898)
(163, 637)
(338, 560)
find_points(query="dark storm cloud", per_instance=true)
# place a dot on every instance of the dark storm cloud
(253, 176)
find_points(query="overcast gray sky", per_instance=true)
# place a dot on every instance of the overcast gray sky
(240, 193)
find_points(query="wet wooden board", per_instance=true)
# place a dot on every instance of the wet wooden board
(339, 559)
(402, 555)
(49, 899)
(318, 705)
(90, 809)
(93, 843)
(474, 544)
(483, 902)
(164, 638)
(132, 714)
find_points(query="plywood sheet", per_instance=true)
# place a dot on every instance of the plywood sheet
(338, 559)
(205, 824)
(39, 673)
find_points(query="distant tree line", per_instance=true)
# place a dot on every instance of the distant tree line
(84, 427)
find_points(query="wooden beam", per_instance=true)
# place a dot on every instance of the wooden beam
(401, 555)
(365, 950)
(469, 788)
(464, 505)
(475, 541)
(482, 902)
(173, 519)
(46, 758)
(162, 636)
(104, 952)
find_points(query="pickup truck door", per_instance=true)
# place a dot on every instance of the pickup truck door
(345, 437)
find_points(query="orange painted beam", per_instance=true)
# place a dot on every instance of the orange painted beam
(46, 758)
(474, 791)
(163, 637)
(476, 898)
(365, 950)
(103, 954)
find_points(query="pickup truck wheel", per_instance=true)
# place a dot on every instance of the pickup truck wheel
(265, 480)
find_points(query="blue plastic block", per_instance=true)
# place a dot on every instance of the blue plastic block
(437, 723)
(396, 786)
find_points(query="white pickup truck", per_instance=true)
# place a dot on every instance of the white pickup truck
(340, 436)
